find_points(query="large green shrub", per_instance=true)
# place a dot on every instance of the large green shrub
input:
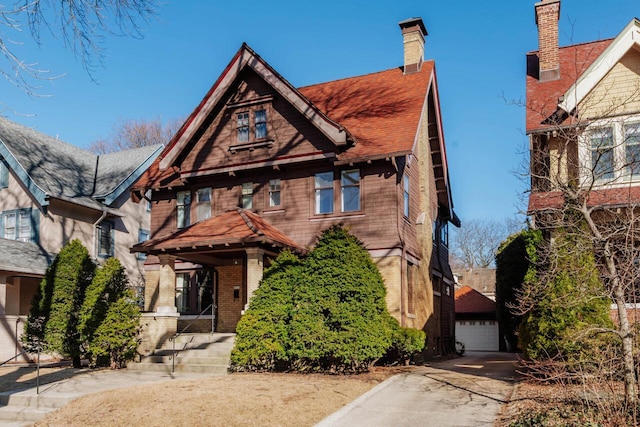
(516, 262)
(53, 318)
(262, 341)
(569, 302)
(339, 319)
(116, 338)
(107, 286)
(324, 313)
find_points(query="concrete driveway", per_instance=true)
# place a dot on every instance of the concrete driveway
(463, 392)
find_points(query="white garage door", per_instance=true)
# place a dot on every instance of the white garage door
(478, 335)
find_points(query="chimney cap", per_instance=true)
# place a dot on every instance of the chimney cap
(413, 22)
(546, 3)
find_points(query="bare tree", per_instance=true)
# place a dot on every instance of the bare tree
(135, 134)
(83, 25)
(474, 245)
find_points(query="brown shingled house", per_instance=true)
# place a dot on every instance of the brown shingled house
(260, 166)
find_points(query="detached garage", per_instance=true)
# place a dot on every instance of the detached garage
(476, 324)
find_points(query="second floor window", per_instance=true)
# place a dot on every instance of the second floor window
(324, 193)
(247, 195)
(274, 193)
(183, 203)
(602, 153)
(17, 225)
(106, 239)
(203, 207)
(350, 188)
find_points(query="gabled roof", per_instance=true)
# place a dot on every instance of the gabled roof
(232, 227)
(542, 97)
(246, 57)
(468, 300)
(628, 38)
(49, 167)
(23, 257)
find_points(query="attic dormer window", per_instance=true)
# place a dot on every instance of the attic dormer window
(252, 124)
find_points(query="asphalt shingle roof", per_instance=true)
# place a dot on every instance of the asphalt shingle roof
(468, 300)
(23, 257)
(63, 170)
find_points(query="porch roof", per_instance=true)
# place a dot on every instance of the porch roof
(236, 227)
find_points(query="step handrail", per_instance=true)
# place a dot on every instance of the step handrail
(211, 306)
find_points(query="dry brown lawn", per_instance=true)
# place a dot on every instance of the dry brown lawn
(241, 399)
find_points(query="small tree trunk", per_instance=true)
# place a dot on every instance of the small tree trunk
(77, 363)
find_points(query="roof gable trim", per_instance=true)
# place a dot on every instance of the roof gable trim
(628, 38)
(38, 193)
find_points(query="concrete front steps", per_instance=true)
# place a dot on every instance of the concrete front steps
(24, 408)
(195, 353)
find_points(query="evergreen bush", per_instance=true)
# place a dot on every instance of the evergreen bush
(116, 338)
(339, 320)
(53, 318)
(262, 341)
(405, 343)
(570, 302)
(324, 313)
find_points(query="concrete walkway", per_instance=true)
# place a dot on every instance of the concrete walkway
(463, 392)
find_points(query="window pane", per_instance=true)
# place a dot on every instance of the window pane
(183, 209)
(632, 143)
(24, 229)
(182, 292)
(274, 192)
(203, 209)
(350, 199)
(261, 123)
(243, 127)
(105, 244)
(324, 192)
(247, 195)
(350, 182)
(602, 153)
(10, 226)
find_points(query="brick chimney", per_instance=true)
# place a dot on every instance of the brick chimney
(547, 15)
(413, 33)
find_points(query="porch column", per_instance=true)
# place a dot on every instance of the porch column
(255, 267)
(167, 285)
(161, 324)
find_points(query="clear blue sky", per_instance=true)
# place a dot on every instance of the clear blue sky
(479, 48)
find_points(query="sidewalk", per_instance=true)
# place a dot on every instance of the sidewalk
(464, 392)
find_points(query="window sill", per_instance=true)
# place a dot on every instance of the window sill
(273, 211)
(264, 143)
(340, 215)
